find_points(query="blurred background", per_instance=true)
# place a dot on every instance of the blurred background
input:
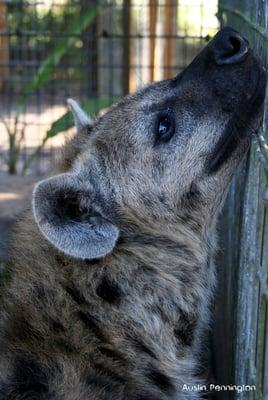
(96, 52)
(53, 49)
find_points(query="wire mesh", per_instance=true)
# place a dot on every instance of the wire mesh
(127, 44)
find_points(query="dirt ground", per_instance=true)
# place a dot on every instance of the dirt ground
(15, 197)
(16, 191)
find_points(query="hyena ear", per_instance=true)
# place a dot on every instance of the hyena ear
(70, 218)
(81, 119)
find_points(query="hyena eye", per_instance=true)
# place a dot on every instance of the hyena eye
(165, 128)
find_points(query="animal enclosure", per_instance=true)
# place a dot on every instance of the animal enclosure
(96, 52)
(92, 51)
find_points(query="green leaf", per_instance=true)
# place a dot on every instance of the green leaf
(46, 69)
(91, 106)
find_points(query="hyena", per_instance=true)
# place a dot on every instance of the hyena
(112, 272)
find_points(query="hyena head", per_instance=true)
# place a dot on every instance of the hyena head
(160, 156)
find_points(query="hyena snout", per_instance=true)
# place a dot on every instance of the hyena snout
(229, 47)
(228, 69)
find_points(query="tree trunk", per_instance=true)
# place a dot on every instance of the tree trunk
(170, 23)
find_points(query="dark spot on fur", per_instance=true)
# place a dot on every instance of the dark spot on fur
(100, 381)
(184, 332)
(30, 379)
(92, 261)
(92, 324)
(162, 199)
(109, 291)
(58, 259)
(21, 329)
(94, 379)
(56, 326)
(64, 346)
(42, 293)
(61, 260)
(121, 240)
(39, 292)
(76, 295)
(192, 198)
(162, 381)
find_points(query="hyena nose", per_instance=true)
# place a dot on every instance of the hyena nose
(229, 47)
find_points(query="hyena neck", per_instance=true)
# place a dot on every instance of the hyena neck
(174, 262)
(168, 246)
(180, 252)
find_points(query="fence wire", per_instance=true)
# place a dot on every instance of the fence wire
(127, 44)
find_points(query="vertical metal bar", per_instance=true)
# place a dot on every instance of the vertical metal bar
(152, 32)
(4, 45)
(169, 28)
(126, 45)
(90, 39)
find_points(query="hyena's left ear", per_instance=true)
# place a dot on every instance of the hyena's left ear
(81, 119)
(70, 217)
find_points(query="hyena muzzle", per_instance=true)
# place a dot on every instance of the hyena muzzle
(112, 273)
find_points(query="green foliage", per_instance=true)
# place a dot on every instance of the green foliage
(77, 23)
(91, 106)
(66, 122)
(36, 27)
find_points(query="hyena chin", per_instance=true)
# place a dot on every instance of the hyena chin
(111, 275)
